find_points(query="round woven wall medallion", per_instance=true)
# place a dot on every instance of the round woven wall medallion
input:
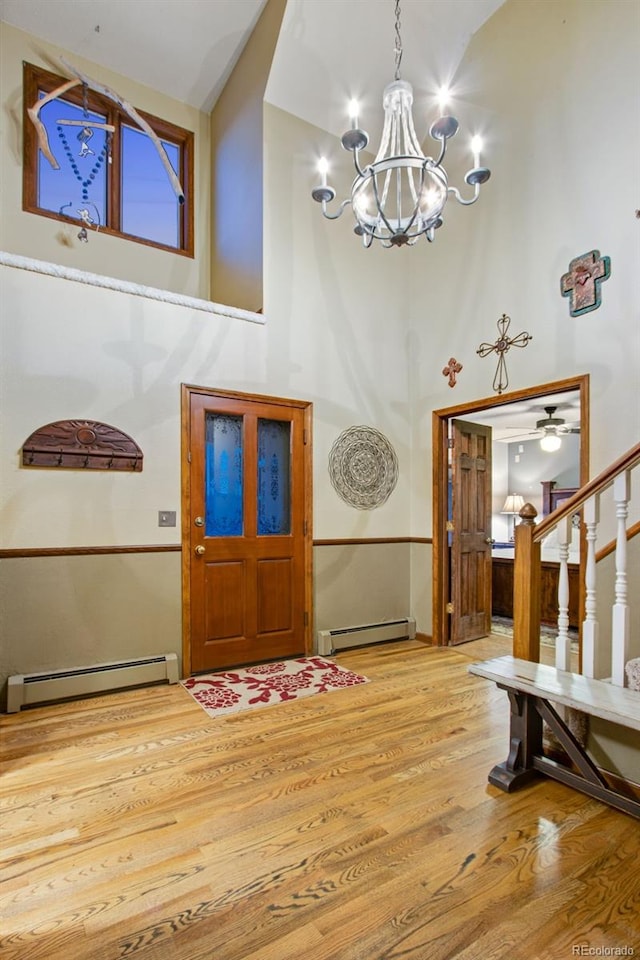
(363, 467)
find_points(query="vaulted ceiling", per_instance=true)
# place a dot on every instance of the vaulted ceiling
(328, 51)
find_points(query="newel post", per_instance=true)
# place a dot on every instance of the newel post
(526, 588)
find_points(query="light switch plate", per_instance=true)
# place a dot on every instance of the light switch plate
(166, 518)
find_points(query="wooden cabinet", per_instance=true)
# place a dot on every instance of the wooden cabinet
(502, 583)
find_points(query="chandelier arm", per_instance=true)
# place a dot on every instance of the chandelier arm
(359, 170)
(443, 150)
(460, 199)
(334, 216)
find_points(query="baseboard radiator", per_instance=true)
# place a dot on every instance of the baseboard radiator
(25, 690)
(329, 641)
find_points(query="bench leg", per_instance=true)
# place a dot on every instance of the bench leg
(525, 742)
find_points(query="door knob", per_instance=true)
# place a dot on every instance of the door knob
(199, 521)
(199, 550)
(489, 540)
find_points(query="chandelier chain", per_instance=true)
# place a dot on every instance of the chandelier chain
(398, 49)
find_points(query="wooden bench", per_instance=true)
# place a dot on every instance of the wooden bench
(533, 690)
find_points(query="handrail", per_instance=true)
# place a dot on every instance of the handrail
(611, 546)
(528, 540)
(597, 485)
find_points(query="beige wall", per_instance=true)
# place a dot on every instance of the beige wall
(60, 612)
(560, 186)
(356, 584)
(41, 238)
(237, 170)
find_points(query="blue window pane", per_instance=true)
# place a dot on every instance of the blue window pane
(223, 476)
(150, 208)
(274, 470)
(82, 153)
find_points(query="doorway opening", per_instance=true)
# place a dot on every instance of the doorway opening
(444, 589)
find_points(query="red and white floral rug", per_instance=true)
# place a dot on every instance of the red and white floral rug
(268, 683)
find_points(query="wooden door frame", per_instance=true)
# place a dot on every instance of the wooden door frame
(440, 432)
(187, 390)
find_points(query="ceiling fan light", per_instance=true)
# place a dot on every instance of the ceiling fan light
(550, 443)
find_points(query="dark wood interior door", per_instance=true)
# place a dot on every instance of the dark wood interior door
(247, 516)
(471, 534)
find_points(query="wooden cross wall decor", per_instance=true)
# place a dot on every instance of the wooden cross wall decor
(451, 370)
(502, 346)
(583, 280)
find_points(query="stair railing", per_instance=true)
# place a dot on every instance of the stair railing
(527, 576)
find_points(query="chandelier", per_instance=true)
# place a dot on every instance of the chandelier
(401, 195)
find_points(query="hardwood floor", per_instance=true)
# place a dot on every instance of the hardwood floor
(354, 825)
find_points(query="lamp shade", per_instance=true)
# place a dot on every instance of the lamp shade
(513, 504)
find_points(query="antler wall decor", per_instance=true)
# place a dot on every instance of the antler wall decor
(81, 78)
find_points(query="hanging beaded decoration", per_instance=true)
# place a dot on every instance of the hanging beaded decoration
(84, 137)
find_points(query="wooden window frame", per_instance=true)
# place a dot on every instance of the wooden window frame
(35, 79)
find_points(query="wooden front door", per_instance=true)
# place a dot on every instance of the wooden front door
(246, 529)
(471, 534)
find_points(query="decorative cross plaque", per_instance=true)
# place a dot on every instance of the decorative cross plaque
(502, 346)
(582, 282)
(451, 370)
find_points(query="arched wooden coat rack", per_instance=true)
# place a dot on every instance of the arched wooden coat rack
(82, 444)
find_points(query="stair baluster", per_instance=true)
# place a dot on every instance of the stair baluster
(620, 613)
(563, 641)
(592, 665)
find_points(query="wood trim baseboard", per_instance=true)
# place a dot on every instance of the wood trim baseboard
(369, 540)
(30, 552)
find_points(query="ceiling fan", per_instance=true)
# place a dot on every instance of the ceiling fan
(553, 429)
(549, 430)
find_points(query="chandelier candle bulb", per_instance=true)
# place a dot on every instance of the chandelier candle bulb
(476, 148)
(323, 166)
(443, 99)
(353, 113)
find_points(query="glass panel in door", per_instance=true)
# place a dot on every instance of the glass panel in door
(274, 477)
(224, 514)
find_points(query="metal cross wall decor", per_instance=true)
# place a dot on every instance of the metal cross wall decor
(502, 346)
(583, 280)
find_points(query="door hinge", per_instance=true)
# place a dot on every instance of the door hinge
(189, 456)
(304, 437)
(305, 528)
(449, 526)
(306, 618)
(449, 607)
(450, 443)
